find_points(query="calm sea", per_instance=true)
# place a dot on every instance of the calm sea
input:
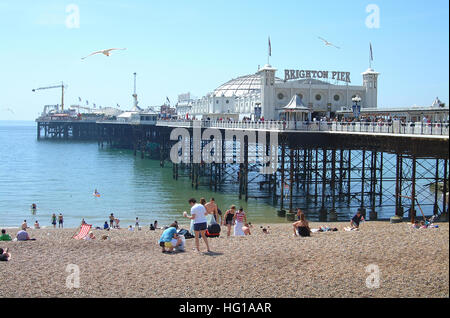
(60, 176)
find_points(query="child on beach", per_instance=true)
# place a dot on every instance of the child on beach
(239, 220)
(169, 238)
(356, 220)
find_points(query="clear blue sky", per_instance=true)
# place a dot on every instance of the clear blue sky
(179, 46)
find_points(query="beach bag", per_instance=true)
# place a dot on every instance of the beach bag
(185, 233)
(213, 230)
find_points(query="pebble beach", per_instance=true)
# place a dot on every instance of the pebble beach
(411, 263)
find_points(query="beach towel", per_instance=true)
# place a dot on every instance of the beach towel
(84, 230)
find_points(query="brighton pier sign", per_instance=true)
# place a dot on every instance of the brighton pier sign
(301, 74)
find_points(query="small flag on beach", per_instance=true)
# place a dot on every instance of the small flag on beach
(371, 52)
(270, 48)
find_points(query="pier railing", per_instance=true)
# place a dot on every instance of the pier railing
(395, 127)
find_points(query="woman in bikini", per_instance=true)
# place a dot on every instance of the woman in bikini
(229, 219)
(302, 227)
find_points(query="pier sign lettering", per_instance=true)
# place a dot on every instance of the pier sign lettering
(301, 74)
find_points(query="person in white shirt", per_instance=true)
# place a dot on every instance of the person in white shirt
(198, 215)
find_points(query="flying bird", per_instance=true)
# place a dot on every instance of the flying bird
(7, 109)
(328, 43)
(105, 52)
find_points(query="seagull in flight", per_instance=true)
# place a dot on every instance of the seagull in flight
(7, 109)
(328, 43)
(105, 52)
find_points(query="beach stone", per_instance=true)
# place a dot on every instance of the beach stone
(396, 219)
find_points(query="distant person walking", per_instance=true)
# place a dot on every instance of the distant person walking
(54, 220)
(60, 221)
(198, 215)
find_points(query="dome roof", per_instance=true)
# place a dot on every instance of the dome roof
(241, 86)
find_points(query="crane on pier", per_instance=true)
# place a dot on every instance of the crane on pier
(55, 86)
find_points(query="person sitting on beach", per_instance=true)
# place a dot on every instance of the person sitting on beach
(106, 226)
(356, 220)
(423, 225)
(246, 228)
(130, 228)
(152, 227)
(416, 225)
(90, 236)
(4, 236)
(229, 219)
(117, 221)
(4, 255)
(36, 225)
(54, 220)
(22, 235)
(24, 225)
(302, 227)
(169, 238)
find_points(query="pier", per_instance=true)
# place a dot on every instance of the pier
(321, 166)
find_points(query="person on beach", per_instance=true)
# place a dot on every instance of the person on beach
(106, 226)
(239, 220)
(83, 222)
(111, 221)
(211, 208)
(4, 236)
(90, 236)
(24, 225)
(229, 218)
(33, 208)
(4, 255)
(60, 221)
(169, 238)
(136, 225)
(155, 224)
(246, 228)
(356, 220)
(130, 228)
(302, 227)
(117, 221)
(36, 225)
(22, 235)
(54, 220)
(198, 214)
(202, 201)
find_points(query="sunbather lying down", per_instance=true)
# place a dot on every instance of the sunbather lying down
(324, 229)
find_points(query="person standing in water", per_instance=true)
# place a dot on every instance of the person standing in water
(60, 221)
(54, 220)
(198, 215)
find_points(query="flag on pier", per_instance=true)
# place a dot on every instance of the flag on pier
(371, 52)
(270, 48)
(168, 100)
